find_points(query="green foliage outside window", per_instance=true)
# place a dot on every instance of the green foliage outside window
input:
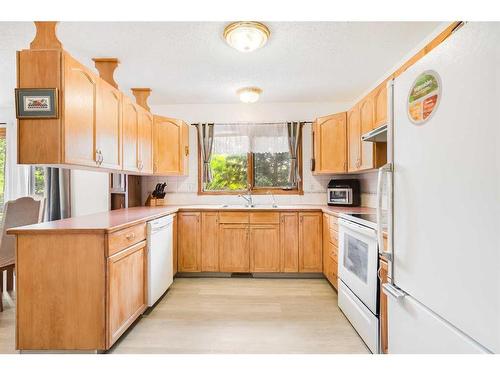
(271, 169)
(229, 172)
(39, 181)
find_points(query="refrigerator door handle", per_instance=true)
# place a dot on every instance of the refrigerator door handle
(393, 291)
(383, 170)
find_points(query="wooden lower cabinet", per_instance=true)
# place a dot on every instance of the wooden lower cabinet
(234, 249)
(289, 241)
(265, 248)
(330, 250)
(310, 242)
(189, 242)
(175, 244)
(248, 241)
(210, 242)
(127, 293)
(383, 278)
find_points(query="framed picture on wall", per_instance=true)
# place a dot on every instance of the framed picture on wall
(36, 103)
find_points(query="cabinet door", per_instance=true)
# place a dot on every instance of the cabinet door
(383, 277)
(353, 139)
(210, 242)
(80, 87)
(289, 242)
(367, 118)
(325, 241)
(234, 253)
(145, 141)
(130, 123)
(265, 248)
(332, 144)
(189, 242)
(175, 244)
(108, 126)
(184, 157)
(380, 100)
(310, 242)
(127, 293)
(167, 148)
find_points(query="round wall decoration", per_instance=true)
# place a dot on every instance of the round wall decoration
(424, 96)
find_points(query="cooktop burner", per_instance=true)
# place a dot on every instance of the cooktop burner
(369, 220)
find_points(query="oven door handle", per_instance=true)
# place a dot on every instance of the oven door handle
(356, 227)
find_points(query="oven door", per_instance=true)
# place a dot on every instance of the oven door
(358, 260)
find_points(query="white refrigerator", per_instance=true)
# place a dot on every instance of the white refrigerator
(444, 247)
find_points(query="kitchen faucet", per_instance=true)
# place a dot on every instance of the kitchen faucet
(248, 198)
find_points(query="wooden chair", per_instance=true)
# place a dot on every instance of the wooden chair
(22, 211)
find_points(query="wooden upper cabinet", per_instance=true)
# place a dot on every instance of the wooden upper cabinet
(265, 248)
(109, 126)
(330, 144)
(234, 251)
(353, 139)
(210, 242)
(380, 101)
(80, 89)
(130, 126)
(367, 118)
(289, 233)
(185, 150)
(189, 242)
(171, 146)
(145, 141)
(167, 146)
(310, 242)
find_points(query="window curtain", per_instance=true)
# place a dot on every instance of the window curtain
(16, 176)
(236, 138)
(206, 139)
(57, 191)
(294, 133)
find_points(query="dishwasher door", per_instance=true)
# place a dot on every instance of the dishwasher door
(160, 257)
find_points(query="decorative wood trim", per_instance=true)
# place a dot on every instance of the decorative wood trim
(141, 96)
(106, 67)
(46, 37)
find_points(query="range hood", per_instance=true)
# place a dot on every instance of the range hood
(376, 135)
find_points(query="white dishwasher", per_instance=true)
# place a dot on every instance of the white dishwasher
(160, 257)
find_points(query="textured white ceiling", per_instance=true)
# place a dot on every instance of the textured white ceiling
(189, 62)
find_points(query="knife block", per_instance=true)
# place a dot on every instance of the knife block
(154, 202)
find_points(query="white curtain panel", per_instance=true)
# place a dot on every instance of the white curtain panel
(16, 176)
(243, 138)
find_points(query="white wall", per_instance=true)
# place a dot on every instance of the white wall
(89, 192)
(183, 190)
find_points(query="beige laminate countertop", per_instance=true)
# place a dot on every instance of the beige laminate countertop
(111, 221)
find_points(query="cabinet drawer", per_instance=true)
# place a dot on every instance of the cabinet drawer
(233, 217)
(334, 252)
(264, 217)
(333, 237)
(334, 223)
(124, 238)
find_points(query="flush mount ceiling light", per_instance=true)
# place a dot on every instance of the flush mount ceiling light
(246, 36)
(249, 94)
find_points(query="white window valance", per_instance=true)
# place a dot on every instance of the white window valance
(244, 138)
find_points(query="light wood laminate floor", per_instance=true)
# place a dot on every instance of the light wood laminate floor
(233, 315)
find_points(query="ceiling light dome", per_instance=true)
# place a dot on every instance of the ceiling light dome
(246, 36)
(249, 94)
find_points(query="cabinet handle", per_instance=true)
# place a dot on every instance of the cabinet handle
(186, 150)
(130, 236)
